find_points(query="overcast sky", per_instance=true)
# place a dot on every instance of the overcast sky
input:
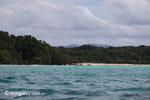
(63, 22)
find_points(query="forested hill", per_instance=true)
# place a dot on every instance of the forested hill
(28, 50)
(128, 54)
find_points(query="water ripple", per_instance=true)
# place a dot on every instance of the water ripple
(76, 82)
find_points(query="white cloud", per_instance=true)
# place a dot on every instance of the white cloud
(45, 14)
(63, 22)
(130, 11)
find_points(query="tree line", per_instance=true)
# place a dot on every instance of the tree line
(126, 54)
(28, 50)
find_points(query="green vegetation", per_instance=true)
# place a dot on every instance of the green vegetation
(128, 54)
(28, 50)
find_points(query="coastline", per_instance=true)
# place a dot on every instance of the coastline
(96, 64)
(78, 64)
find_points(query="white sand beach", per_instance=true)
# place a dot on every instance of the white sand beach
(95, 64)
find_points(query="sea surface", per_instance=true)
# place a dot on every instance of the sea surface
(38, 82)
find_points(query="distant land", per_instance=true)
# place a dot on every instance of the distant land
(70, 46)
(28, 50)
(96, 45)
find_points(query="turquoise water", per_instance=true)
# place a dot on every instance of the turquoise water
(75, 82)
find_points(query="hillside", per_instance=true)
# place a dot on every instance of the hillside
(127, 54)
(28, 50)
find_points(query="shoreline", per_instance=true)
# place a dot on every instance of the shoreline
(77, 64)
(96, 64)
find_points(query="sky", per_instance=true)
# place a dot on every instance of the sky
(64, 22)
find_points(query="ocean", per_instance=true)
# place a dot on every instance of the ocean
(41, 82)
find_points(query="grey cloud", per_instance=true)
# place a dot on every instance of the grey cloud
(62, 22)
(49, 15)
(130, 12)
